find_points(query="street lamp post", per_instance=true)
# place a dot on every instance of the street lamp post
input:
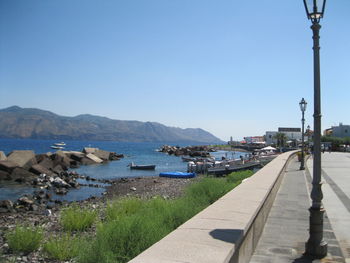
(316, 247)
(302, 105)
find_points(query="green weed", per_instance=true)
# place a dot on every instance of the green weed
(123, 207)
(24, 239)
(237, 177)
(133, 225)
(63, 248)
(76, 218)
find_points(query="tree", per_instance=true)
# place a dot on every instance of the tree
(281, 139)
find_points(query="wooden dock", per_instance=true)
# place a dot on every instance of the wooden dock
(222, 170)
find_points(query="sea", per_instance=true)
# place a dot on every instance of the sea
(139, 153)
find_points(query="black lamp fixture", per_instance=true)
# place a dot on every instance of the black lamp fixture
(303, 105)
(314, 9)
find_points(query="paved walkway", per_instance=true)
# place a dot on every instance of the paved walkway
(286, 229)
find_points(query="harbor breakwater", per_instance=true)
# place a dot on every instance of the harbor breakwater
(48, 173)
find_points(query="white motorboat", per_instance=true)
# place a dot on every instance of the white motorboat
(56, 147)
(59, 144)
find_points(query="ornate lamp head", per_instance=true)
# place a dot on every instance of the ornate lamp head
(314, 9)
(303, 105)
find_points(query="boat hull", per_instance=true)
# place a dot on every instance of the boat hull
(177, 175)
(143, 167)
(57, 147)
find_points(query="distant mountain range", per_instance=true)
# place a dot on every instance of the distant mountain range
(17, 122)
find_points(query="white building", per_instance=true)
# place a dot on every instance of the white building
(341, 131)
(270, 137)
(254, 139)
(292, 134)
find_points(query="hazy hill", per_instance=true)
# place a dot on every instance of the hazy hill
(16, 122)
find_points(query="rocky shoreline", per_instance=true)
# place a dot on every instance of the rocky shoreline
(192, 151)
(142, 187)
(47, 174)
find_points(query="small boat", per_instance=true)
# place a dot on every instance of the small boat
(59, 144)
(177, 175)
(56, 147)
(188, 159)
(142, 167)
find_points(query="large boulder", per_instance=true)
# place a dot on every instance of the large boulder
(41, 157)
(104, 155)
(4, 175)
(94, 158)
(7, 166)
(61, 158)
(25, 200)
(47, 163)
(115, 156)
(23, 158)
(38, 169)
(58, 169)
(86, 161)
(22, 175)
(76, 156)
(88, 150)
(6, 204)
(58, 182)
(2, 156)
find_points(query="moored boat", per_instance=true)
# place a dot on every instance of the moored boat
(60, 144)
(142, 167)
(56, 147)
(177, 175)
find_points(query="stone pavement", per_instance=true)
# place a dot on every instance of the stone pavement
(286, 229)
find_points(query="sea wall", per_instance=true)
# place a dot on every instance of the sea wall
(228, 230)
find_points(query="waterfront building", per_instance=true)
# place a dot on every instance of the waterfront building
(270, 137)
(340, 131)
(292, 134)
(254, 139)
(328, 132)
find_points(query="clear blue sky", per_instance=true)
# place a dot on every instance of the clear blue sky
(233, 68)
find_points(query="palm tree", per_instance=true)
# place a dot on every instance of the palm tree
(281, 139)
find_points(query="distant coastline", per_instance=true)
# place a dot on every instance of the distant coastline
(29, 123)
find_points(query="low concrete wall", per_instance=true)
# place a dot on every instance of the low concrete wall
(228, 230)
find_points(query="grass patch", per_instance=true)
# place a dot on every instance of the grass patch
(24, 239)
(237, 177)
(64, 247)
(75, 218)
(132, 225)
(123, 207)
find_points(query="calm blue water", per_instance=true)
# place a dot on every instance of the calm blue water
(139, 153)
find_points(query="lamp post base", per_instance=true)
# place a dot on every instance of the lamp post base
(316, 251)
(316, 247)
(302, 164)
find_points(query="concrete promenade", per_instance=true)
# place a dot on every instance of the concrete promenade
(286, 230)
